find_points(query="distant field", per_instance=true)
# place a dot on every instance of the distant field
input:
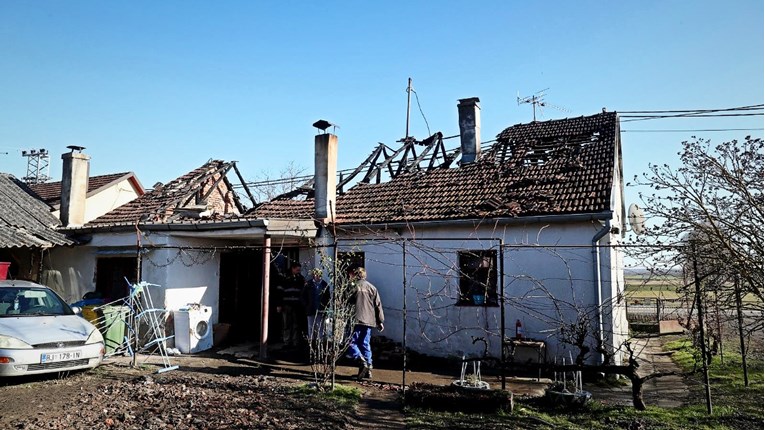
(662, 287)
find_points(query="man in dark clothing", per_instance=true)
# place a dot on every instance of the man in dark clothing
(315, 299)
(290, 307)
(369, 314)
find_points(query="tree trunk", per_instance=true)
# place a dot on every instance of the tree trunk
(637, 392)
(740, 320)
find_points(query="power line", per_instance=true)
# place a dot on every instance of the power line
(691, 130)
(750, 107)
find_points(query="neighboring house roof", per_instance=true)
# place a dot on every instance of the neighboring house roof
(25, 221)
(50, 192)
(165, 203)
(554, 167)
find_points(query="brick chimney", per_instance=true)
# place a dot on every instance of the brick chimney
(74, 186)
(325, 176)
(469, 111)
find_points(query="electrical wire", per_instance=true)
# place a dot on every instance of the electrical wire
(417, 98)
(691, 130)
(750, 107)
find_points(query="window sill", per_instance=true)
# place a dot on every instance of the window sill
(473, 305)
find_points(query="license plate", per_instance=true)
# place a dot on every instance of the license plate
(60, 356)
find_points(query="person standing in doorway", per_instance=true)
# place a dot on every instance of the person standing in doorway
(291, 309)
(369, 315)
(315, 299)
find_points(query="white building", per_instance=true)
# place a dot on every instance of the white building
(526, 230)
(523, 232)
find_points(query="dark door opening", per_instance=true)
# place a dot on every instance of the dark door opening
(111, 273)
(241, 275)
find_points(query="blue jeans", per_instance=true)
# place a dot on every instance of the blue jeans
(360, 343)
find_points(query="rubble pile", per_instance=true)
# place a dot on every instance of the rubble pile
(182, 401)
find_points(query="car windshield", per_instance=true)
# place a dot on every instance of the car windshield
(31, 301)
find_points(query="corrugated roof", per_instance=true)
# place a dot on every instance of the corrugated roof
(554, 167)
(50, 192)
(25, 221)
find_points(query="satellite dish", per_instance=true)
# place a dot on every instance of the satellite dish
(636, 218)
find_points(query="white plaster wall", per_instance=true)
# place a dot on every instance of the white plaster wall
(168, 268)
(107, 200)
(189, 269)
(77, 267)
(77, 264)
(533, 274)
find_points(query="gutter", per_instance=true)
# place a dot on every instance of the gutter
(539, 219)
(597, 279)
(195, 226)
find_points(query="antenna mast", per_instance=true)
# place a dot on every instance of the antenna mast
(408, 108)
(38, 166)
(534, 100)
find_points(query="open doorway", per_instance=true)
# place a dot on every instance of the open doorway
(241, 276)
(114, 276)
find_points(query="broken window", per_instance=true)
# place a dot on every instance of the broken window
(478, 278)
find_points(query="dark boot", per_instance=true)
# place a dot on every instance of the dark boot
(363, 366)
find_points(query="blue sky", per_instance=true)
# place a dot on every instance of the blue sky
(161, 87)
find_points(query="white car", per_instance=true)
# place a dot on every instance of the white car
(40, 333)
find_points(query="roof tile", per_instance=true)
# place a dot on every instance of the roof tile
(540, 168)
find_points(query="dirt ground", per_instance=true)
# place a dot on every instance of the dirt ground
(207, 394)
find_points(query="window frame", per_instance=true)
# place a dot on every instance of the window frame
(467, 282)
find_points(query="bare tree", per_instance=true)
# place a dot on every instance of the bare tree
(715, 199)
(717, 194)
(331, 339)
(267, 186)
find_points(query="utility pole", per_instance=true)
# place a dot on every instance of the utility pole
(703, 341)
(38, 166)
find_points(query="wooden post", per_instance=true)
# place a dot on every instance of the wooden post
(403, 313)
(502, 310)
(264, 293)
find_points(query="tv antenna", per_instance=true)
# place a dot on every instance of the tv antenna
(537, 99)
(38, 166)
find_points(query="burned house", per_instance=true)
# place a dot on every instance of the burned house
(520, 236)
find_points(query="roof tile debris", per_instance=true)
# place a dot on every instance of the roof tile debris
(541, 168)
(179, 199)
(25, 221)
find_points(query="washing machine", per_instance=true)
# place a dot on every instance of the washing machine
(193, 330)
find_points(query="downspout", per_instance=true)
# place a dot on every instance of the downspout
(597, 278)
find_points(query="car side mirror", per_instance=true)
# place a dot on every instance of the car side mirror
(77, 310)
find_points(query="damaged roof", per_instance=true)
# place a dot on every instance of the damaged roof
(25, 221)
(50, 192)
(186, 197)
(554, 167)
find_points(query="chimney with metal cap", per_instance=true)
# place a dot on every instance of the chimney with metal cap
(74, 186)
(325, 173)
(469, 111)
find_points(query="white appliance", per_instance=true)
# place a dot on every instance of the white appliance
(193, 331)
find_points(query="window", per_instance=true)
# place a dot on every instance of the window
(478, 278)
(350, 260)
